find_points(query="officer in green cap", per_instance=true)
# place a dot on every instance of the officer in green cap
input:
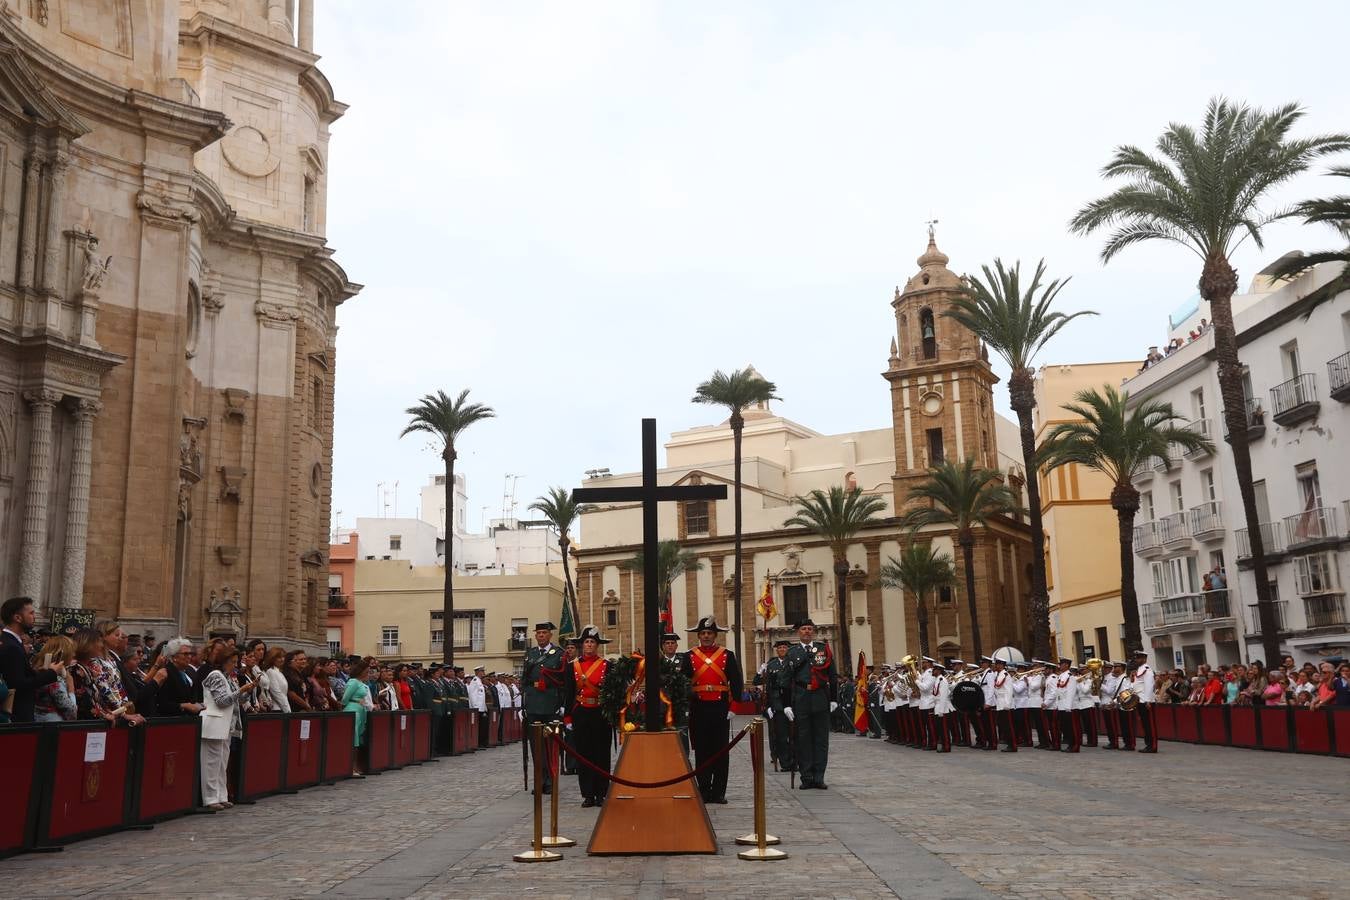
(775, 699)
(542, 680)
(812, 680)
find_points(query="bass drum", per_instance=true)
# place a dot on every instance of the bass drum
(968, 696)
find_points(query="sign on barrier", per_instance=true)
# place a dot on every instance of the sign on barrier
(20, 750)
(403, 738)
(339, 746)
(304, 750)
(262, 763)
(166, 778)
(86, 778)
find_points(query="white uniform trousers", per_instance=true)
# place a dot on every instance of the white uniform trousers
(215, 763)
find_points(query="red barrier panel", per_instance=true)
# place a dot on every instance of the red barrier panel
(403, 738)
(1165, 720)
(745, 707)
(493, 718)
(1188, 725)
(1213, 724)
(263, 756)
(466, 730)
(339, 747)
(1275, 727)
(19, 755)
(421, 735)
(304, 750)
(166, 781)
(1340, 731)
(87, 782)
(379, 740)
(1312, 730)
(1242, 726)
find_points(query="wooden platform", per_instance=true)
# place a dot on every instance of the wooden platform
(652, 820)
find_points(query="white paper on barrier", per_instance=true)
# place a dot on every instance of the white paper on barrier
(95, 746)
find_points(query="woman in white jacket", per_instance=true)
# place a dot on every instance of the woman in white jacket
(273, 681)
(220, 722)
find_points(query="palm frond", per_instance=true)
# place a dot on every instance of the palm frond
(737, 391)
(961, 495)
(836, 515)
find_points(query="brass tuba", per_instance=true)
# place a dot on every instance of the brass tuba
(911, 664)
(1097, 669)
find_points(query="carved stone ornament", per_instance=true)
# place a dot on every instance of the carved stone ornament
(794, 558)
(275, 312)
(232, 480)
(610, 597)
(162, 206)
(235, 398)
(225, 613)
(228, 555)
(313, 557)
(94, 270)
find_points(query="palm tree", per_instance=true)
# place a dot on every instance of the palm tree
(562, 512)
(919, 569)
(738, 391)
(1204, 193)
(672, 561)
(1333, 211)
(836, 517)
(445, 419)
(962, 497)
(1117, 441)
(1016, 324)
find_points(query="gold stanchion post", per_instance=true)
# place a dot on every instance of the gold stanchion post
(552, 839)
(538, 854)
(761, 839)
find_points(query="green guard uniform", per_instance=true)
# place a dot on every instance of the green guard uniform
(812, 682)
(542, 684)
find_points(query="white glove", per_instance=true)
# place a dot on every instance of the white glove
(787, 711)
(730, 715)
(833, 706)
(769, 712)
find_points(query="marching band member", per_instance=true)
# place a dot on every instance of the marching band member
(990, 739)
(890, 702)
(1111, 683)
(914, 717)
(1035, 701)
(1140, 680)
(1066, 700)
(956, 721)
(1005, 689)
(1085, 707)
(942, 708)
(927, 700)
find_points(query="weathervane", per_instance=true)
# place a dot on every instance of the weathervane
(932, 232)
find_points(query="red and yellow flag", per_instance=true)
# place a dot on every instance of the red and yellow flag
(765, 605)
(860, 721)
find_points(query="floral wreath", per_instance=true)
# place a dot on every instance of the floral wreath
(623, 702)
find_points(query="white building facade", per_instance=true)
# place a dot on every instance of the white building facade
(1293, 338)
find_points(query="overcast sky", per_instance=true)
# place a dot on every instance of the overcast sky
(580, 210)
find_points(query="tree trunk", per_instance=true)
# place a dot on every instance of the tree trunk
(1022, 390)
(1217, 284)
(1125, 501)
(737, 424)
(569, 589)
(448, 602)
(921, 612)
(967, 541)
(841, 613)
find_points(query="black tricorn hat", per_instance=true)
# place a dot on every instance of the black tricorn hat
(707, 623)
(545, 626)
(782, 642)
(803, 622)
(669, 636)
(592, 633)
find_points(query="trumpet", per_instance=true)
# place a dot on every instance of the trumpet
(969, 676)
(1029, 672)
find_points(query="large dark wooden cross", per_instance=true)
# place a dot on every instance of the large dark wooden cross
(649, 495)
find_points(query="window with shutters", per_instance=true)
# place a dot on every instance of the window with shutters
(794, 603)
(696, 517)
(470, 631)
(1315, 574)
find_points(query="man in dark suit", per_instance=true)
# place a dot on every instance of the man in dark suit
(18, 617)
(177, 695)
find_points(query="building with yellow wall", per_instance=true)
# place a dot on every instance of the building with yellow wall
(399, 613)
(1082, 546)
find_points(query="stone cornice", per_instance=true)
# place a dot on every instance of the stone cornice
(204, 26)
(38, 102)
(329, 107)
(330, 277)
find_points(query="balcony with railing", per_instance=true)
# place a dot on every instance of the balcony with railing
(1256, 421)
(1206, 521)
(1338, 376)
(1281, 617)
(1148, 540)
(1295, 400)
(1201, 428)
(1169, 462)
(339, 601)
(383, 648)
(1325, 611)
(1188, 609)
(1142, 474)
(1173, 532)
(517, 643)
(1311, 527)
(1272, 540)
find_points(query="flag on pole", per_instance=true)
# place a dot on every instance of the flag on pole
(860, 721)
(667, 614)
(567, 624)
(765, 605)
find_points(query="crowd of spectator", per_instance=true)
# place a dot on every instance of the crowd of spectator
(102, 673)
(1311, 686)
(1155, 356)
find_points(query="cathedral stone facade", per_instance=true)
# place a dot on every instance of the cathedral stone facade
(168, 313)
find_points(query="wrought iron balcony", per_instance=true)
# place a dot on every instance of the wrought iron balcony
(386, 649)
(1281, 617)
(1148, 540)
(1325, 611)
(1338, 376)
(517, 644)
(1203, 428)
(1295, 400)
(1272, 540)
(1169, 462)
(1174, 533)
(1143, 474)
(1188, 609)
(1256, 421)
(339, 601)
(1312, 526)
(1206, 521)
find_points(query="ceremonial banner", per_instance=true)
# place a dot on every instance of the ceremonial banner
(860, 721)
(765, 606)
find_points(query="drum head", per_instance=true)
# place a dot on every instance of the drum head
(967, 696)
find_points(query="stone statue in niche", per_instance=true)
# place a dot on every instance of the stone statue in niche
(94, 271)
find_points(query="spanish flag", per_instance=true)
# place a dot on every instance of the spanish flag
(860, 721)
(765, 605)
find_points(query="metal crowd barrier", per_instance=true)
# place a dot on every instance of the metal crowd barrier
(1287, 729)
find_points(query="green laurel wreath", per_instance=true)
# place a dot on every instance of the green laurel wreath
(614, 690)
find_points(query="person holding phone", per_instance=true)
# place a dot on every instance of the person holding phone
(220, 722)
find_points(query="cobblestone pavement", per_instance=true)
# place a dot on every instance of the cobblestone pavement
(1190, 822)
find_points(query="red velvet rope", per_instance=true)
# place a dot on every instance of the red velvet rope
(713, 760)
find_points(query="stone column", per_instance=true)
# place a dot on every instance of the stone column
(55, 203)
(33, 550)
(32, 194)
(77, 514)
(306, 29)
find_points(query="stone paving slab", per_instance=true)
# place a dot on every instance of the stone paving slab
(1192, 821)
